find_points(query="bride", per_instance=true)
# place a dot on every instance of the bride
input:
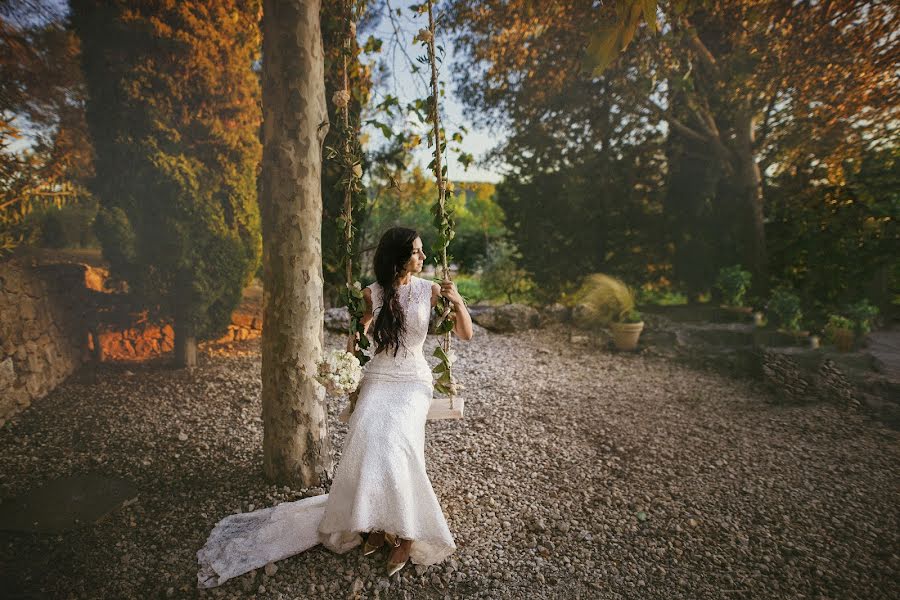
(381, 486)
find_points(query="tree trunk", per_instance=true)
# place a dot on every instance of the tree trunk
(296, 447)
(749, 182)
(185, 344)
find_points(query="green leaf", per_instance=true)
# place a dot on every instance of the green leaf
(372, 45)
(439, 352)
(650, 14)
(630, 25)
(602, 49)
(385, 129)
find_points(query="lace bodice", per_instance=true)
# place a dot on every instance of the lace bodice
(410, 362)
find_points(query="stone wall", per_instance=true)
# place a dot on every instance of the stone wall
(43, 331)
(143, 339)
(54, 317)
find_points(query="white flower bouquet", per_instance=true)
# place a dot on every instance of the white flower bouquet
(339, 371)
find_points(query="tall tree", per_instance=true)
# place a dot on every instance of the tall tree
(335, 17)
(296, 445)
(762, 81)
(45, 154)
(174, 117)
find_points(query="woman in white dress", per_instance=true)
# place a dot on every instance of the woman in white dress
(380, 485)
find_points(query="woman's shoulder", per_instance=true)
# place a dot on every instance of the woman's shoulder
(431, 284)
(424, 283)
(374, 290)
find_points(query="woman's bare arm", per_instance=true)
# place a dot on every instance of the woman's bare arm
(366, 320)
(462, 320)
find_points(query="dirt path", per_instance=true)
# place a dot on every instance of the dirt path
(576, 474)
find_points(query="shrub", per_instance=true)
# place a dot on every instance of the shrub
(68, 227)
(837, 328)
(838, 322)
(470, 289)
(784, 304)
(660, 297)
(862, 314)
(733, 282)
(633, 316)
(501, 275)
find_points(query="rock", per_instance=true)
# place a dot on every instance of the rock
(581, 315)
(337, 319)
(7, 373)
(357, 586)
(557, 313)
(509, 318)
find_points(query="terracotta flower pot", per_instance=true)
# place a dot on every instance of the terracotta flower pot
(843, 339)
(625, 335)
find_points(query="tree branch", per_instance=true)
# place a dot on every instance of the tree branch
(676, 124)
(764, 129)
(697, 45)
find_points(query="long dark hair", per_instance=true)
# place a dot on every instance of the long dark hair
(393, 252)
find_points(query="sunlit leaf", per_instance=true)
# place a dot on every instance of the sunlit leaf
(602, 48)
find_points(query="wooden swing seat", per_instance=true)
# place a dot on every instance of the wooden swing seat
(441, 408)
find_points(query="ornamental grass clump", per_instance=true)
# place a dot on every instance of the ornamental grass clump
(603, 300)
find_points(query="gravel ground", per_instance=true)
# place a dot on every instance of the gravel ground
(577, 473)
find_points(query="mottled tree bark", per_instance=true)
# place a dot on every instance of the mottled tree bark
(296, 447)
(185, 335)
(185, 345)
(750, 183)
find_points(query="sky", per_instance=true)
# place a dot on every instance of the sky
(406, 87)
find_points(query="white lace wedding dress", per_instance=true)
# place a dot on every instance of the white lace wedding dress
(380, 482)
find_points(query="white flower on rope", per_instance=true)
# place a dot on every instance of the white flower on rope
(341, 98)
(339, 371)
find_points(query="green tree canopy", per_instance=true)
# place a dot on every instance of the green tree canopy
(174, 114)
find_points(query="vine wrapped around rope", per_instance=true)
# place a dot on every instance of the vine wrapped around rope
(349, 156)
(443, 217)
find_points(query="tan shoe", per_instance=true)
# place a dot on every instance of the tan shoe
(399, 555)
(374, 541)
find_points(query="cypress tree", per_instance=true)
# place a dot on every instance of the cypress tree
(174, 114)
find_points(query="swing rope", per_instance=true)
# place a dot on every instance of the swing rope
(442, 217)
(443, 220)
